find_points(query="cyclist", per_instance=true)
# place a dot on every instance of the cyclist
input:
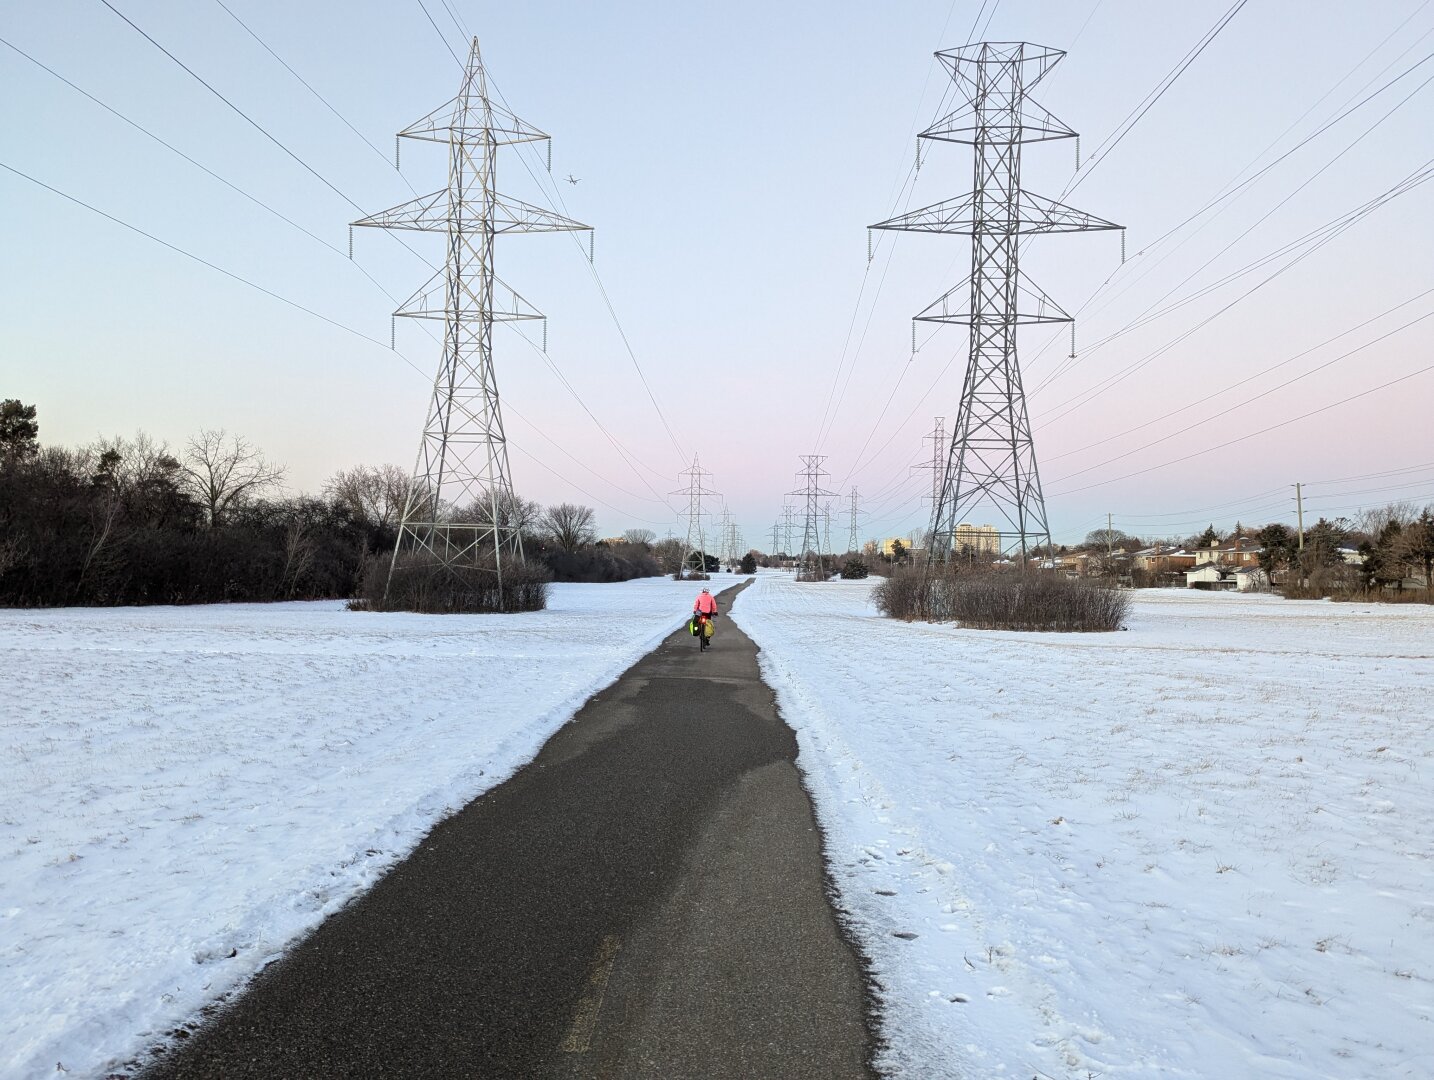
(704, 610)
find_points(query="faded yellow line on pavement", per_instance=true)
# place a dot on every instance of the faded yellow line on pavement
(580, 1034)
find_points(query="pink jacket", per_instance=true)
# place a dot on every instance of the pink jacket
(706, 604)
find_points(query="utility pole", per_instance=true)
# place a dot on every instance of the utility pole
(788, 525)
(812, 494)
(776, 538)
(462, 462)
(991, 458)
(696, 543)
(1300, 511)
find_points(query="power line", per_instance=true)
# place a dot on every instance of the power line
(266, 291)
(254, 123)
(190, 255)
(440, 34)
(1255, 434)
(1124, 127)
(198, 165)
(240, 112)
(1264, 371)
(1226, 194)
(305, 83)
(1324, 235)
(1145, 316)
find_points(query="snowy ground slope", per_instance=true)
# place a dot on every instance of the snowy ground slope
(1199, 848)
(182, 784)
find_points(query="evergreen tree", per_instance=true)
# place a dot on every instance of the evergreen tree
(19, 430)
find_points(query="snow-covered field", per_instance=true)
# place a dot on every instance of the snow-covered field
(1200, 848)
(185, 790)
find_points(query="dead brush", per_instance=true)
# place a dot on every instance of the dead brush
(1001, 599)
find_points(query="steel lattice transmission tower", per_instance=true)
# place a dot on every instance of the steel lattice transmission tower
(854, 514)
(695, 491)
(991, 458)
(788, 525)
(459, 506)
(812, 494)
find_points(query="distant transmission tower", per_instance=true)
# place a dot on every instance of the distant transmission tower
(788, 525)
(854, 514)
(991, 457)
(696, 531)
(459, 509)
(810, 560)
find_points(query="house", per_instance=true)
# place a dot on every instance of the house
(1250, 579)
(1239, 553)
(1210, 576)
(1160, 560)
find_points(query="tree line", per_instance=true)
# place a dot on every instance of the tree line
(134, 521)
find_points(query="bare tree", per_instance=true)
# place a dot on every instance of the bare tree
(223, 471)
(1373, 522)
(372, 493)
(638, 536)
(298, 553)
(669, 555)
(13, 553)
(570, 526)
(514, 513)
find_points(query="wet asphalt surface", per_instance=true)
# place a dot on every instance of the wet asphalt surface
(645, 899)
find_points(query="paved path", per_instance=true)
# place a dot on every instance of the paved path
(644, 900)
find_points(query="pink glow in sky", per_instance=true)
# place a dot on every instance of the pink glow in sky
(731, 159)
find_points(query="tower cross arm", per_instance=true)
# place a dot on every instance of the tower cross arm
(515, 216)
(427, 213)
(459, 120)
(1032, 123)
(1033, 214)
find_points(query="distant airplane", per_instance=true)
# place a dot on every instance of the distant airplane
(573, 179)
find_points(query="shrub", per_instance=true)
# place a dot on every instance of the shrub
(599, 564)
(419, 582)
(1002, 600)
(855, 568)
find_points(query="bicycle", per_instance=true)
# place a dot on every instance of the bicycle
(703, 628)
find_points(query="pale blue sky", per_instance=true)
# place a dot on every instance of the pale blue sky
(730, 157)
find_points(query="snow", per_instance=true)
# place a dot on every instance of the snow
(184, 791)
(1199, 848)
